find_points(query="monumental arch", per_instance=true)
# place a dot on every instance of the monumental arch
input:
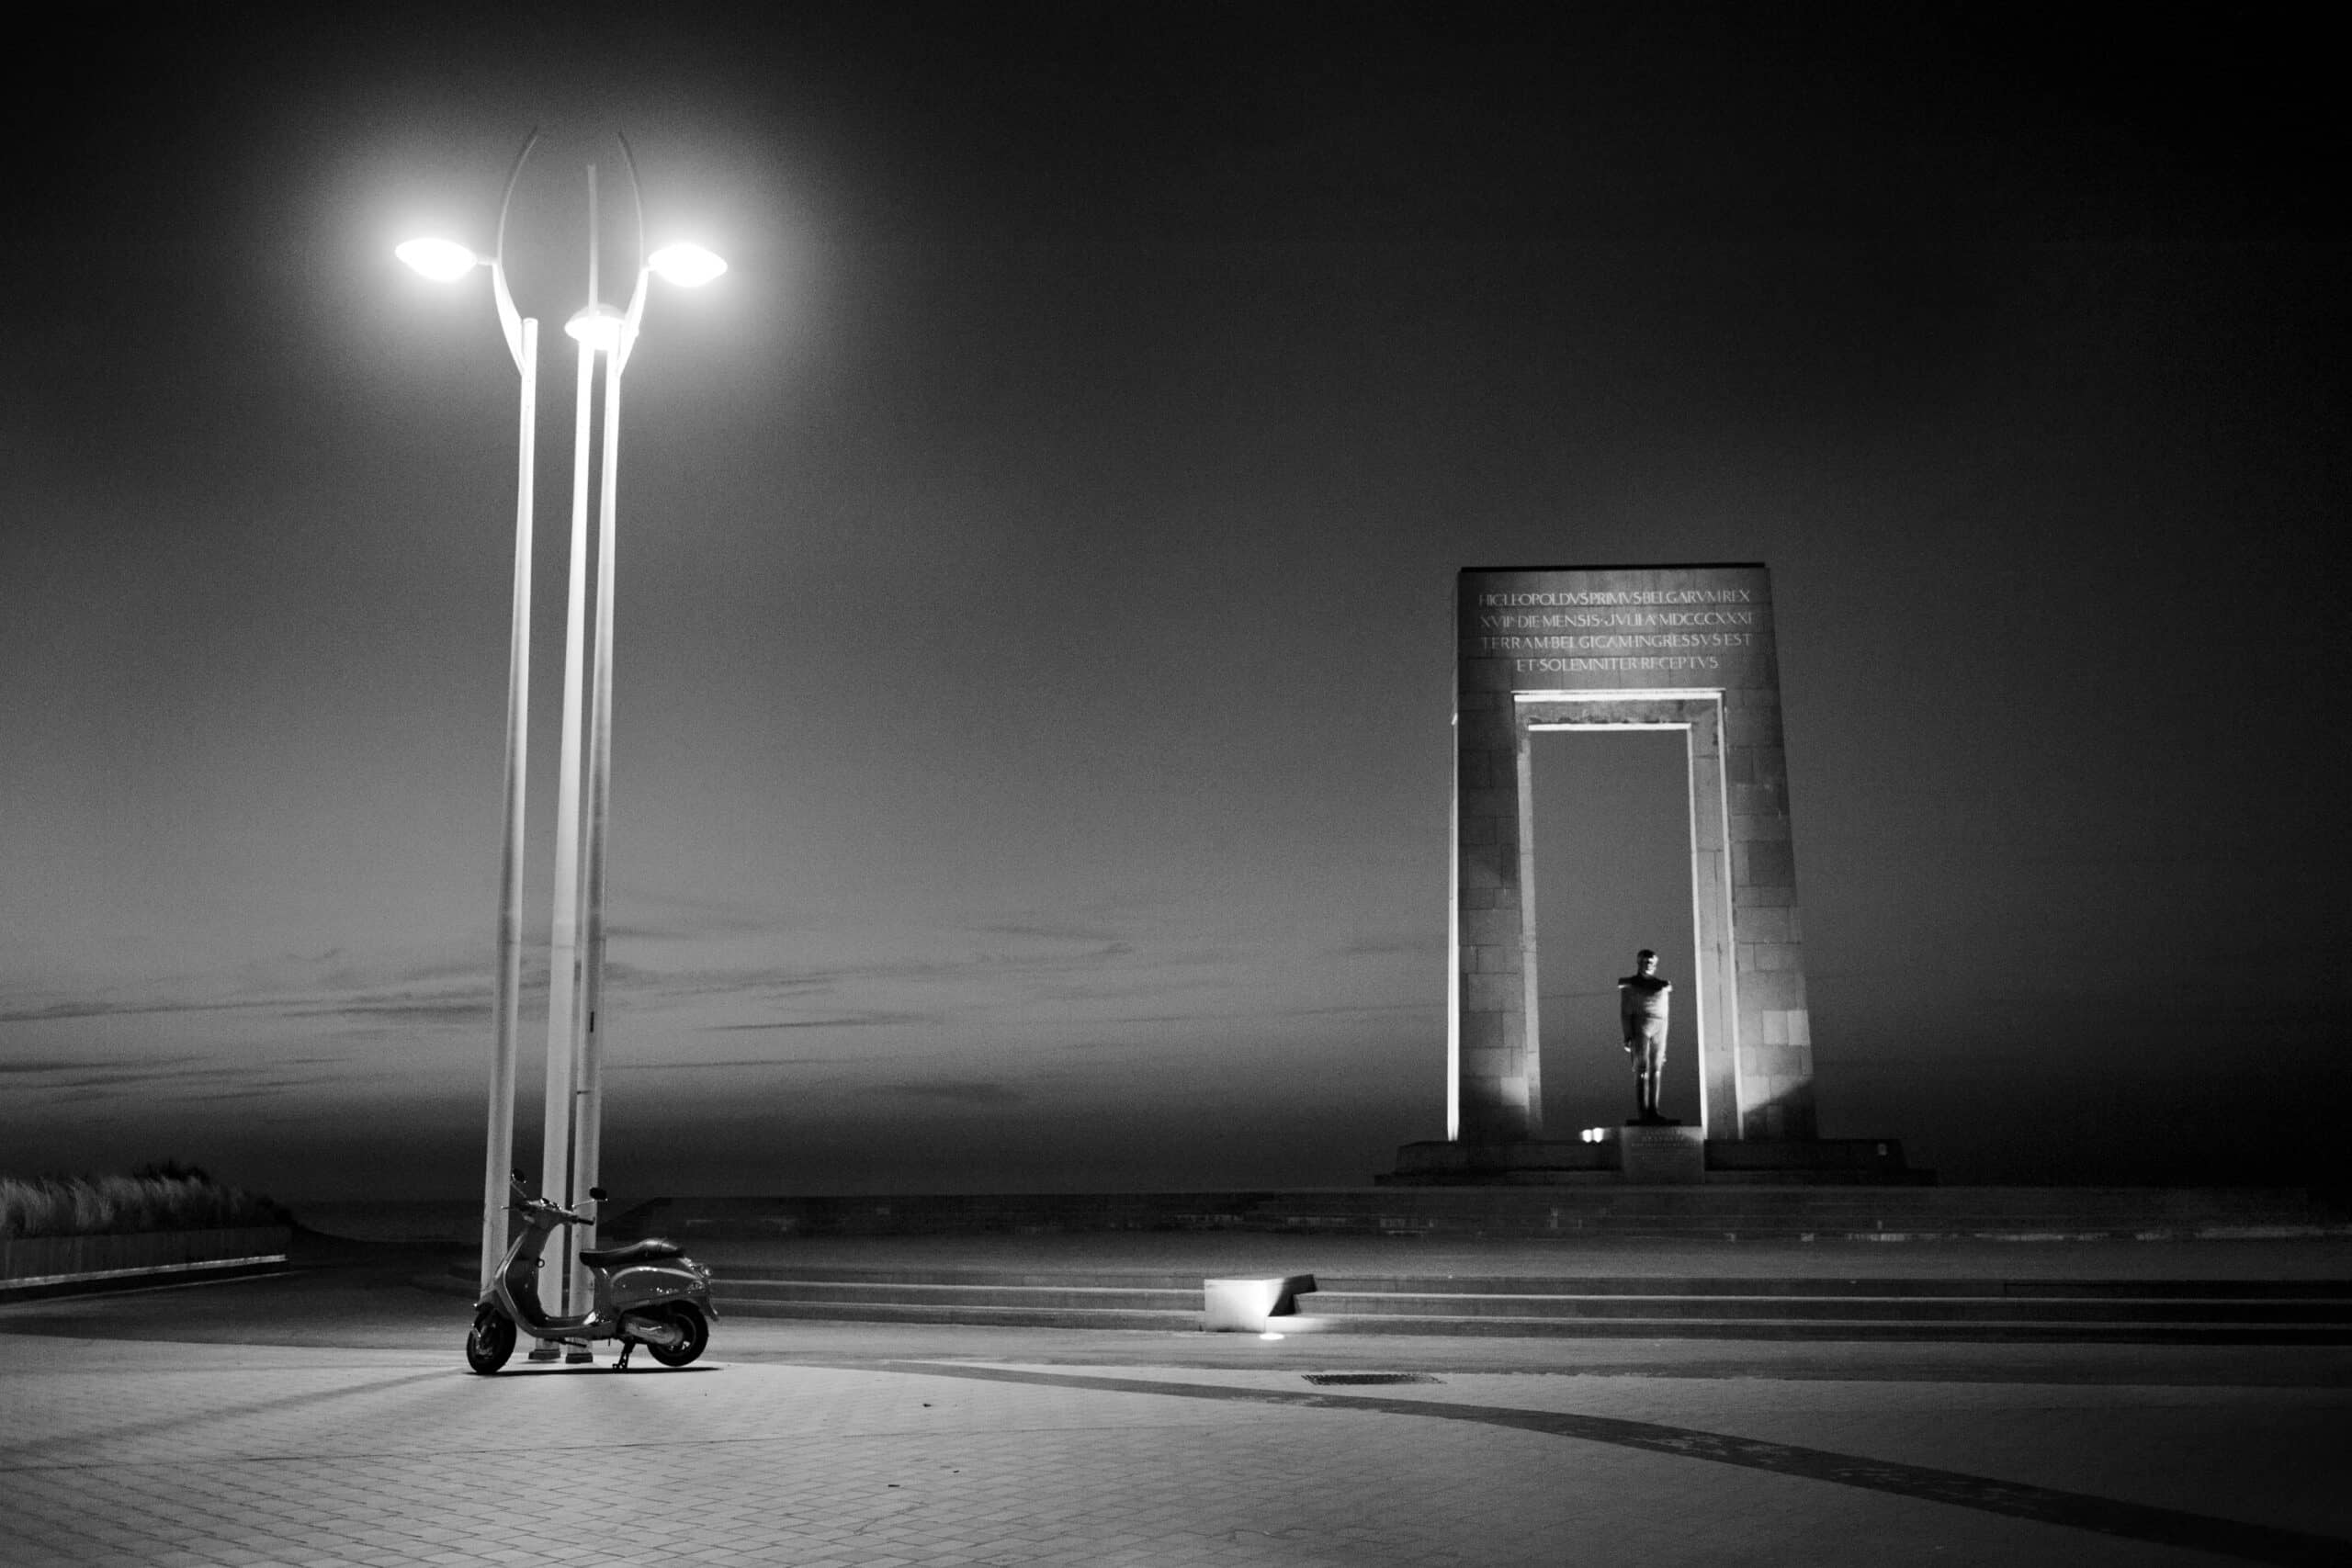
(1682, 647)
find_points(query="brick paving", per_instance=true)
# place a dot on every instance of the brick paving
(155, 1453)
(329, 1420)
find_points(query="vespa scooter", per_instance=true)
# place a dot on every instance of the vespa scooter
(648, 1292)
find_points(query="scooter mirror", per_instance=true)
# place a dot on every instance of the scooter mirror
(518, 1175)
(597, 1192)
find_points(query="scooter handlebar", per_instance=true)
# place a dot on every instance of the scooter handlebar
(524, 1201)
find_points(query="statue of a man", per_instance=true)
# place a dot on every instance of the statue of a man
(1641, 1008)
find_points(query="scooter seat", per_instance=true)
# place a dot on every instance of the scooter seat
(648, 1251)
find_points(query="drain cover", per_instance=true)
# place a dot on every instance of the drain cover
(1367, 1377)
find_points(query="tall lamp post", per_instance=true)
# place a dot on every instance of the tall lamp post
(447, 260)
(573, 1120)
(576, 966)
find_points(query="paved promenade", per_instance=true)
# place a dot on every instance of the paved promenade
(326, 1418)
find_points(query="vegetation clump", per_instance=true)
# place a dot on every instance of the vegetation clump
(165, 1196)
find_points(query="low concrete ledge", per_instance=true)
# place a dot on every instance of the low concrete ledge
(1247, 1306)
(56, 1265)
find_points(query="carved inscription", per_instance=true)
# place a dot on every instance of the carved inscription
(1593, 631)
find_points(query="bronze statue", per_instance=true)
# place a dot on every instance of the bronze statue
(1641, 1008)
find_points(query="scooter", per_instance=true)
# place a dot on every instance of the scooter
(648, 1292)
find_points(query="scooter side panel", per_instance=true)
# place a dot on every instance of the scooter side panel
(634, 1289)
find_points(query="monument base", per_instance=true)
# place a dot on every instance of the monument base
(1656, 1155)
(1661, 1154)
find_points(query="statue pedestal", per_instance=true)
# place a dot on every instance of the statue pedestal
(1656, 1155)
(1653, 1155)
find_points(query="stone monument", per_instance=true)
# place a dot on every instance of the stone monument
(1680, 648)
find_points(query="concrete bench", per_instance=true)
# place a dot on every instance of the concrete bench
(1243, 1306)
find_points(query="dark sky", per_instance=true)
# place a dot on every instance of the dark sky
(1034, 662)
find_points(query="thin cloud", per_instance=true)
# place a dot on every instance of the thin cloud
(436, 1011)
(972, 1092)
(1253, 1015)
(677, 916)
(843, 1021)
(1390, 946)
(733, 1064)
(1043, 932)
(98, 1008)
(145, 1070)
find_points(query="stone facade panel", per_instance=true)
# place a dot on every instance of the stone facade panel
(1494, 990)
(1769, 990)
(1497, 927)
(1768, 863)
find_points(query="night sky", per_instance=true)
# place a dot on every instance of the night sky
(1032, 757)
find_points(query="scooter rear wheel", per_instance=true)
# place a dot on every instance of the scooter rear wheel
(697, 1330)
(491, 1342)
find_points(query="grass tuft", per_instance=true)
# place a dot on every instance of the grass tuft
(169, 1197)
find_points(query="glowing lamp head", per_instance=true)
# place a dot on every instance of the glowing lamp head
(689, 266)
(444, 261)
(598, 327)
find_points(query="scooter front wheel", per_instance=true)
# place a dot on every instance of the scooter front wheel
(696, 1331)
(491, 1342)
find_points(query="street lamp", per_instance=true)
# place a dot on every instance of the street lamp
(575, 1010)
(447, 260)
(572, 1125)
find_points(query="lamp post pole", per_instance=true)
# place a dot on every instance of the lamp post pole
(441, 259)
(564, 968)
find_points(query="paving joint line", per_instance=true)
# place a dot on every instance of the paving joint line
(2041, 1505)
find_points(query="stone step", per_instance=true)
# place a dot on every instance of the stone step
(2244, 1312)
(966, 1274)
(2124, 1332)
(1735, 1210)
(1187, 1283)
(2003, 1230)
(2329, 1294)
(1073, 1296)
(1951, 1309)
(880, 1310)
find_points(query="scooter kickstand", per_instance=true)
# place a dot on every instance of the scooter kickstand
(627, 1346)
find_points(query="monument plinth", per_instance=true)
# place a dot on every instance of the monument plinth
(1679, 648)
